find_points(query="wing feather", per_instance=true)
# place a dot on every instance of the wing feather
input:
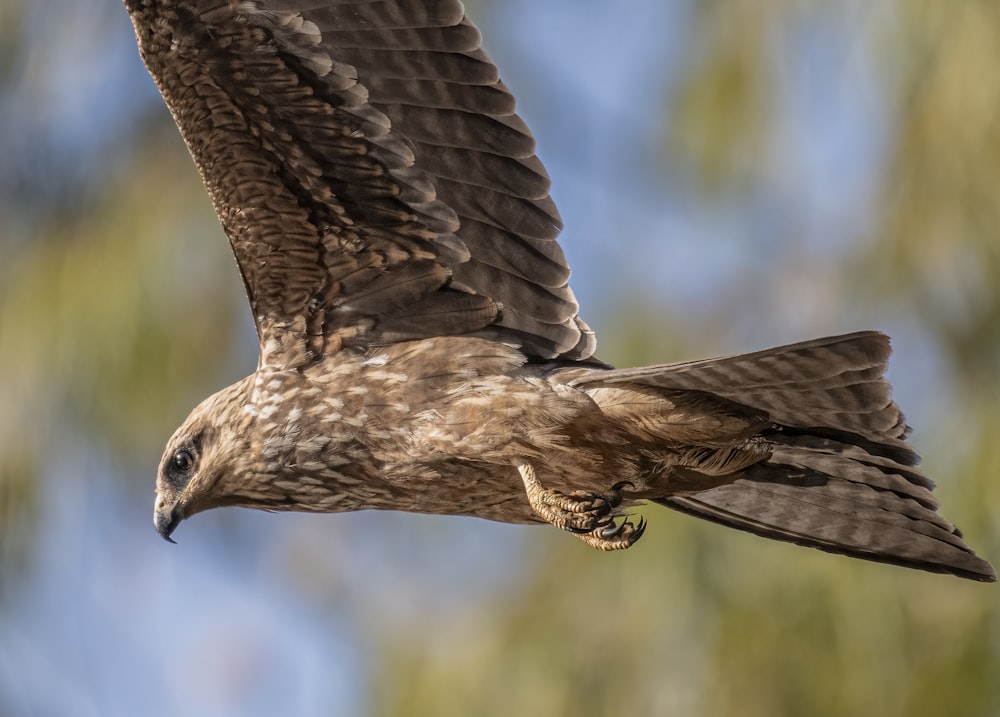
(369, 169)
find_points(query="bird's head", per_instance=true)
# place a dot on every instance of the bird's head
(201, 461)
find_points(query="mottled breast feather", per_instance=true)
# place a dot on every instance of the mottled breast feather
(369, 169)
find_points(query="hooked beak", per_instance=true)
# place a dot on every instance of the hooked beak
(166, 519)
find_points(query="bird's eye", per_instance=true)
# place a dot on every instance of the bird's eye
(182, 461)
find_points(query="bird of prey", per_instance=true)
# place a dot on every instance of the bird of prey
(420, 348)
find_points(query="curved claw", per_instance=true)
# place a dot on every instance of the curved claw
(640, 528)
(618, 537)
(613, 530)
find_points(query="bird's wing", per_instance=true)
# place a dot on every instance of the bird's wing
(367, 165)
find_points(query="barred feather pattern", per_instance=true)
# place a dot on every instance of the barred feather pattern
(838, 474)
(370, 171)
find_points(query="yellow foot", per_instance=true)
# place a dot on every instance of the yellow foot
(590, 516)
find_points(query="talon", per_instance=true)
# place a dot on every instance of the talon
(612, 530)
(639, 529)
(621, 537)
(616, 491)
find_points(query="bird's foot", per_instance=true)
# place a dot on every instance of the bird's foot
(615, 537)
(590, 516)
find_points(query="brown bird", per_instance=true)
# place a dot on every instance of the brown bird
(420, 348)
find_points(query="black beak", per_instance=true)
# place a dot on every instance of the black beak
(166, 521)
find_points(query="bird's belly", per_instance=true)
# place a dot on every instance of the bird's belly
(460, 487)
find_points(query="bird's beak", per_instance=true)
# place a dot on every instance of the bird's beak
(166, 519)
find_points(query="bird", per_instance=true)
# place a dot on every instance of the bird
(421, 349)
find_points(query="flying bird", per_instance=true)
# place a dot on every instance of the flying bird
(420, 348)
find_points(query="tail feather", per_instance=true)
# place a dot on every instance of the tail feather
(836, 516)
(837, 473)
(889, 470)
(834, 382)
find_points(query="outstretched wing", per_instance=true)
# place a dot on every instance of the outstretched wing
(367, 165)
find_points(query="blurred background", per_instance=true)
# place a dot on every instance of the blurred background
(732, 175)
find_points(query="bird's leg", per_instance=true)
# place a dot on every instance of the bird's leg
(590, 516)
(577, 512)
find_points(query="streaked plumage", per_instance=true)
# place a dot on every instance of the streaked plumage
(420, 347)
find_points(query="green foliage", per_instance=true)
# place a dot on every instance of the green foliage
(939, 234)
(95, 333)
(723, 104)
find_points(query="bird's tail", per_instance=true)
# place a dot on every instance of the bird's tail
(832, 468)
